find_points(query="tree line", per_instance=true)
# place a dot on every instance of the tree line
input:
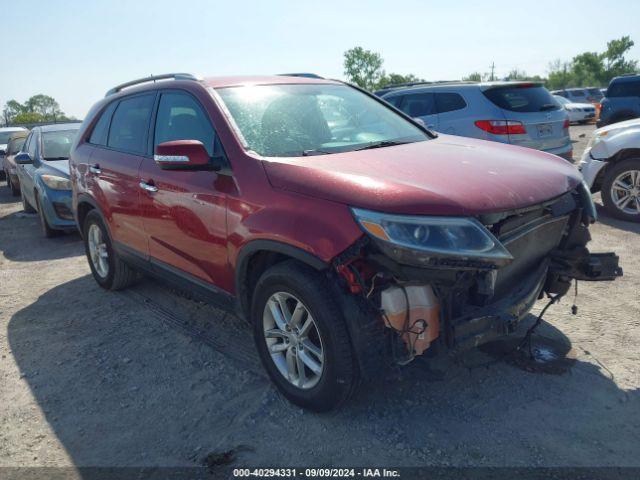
(588, 69)
(37, 109)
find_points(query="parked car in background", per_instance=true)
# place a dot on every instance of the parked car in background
(520, 113)
(622, 101)
(43, 171)
(16, 141)
(349, 235)
(591, 95)
(611, 165)
(578, 112)
(5, 135)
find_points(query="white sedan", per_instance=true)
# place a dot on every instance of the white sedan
(578, 112)
(611, 164)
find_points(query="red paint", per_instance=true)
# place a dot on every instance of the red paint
(199, 221)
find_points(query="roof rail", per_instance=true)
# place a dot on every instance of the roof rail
(152, 78)
(303, 75)
(425, 82)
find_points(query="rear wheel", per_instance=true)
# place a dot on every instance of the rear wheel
(44, 223)
(302, 338)
(107, 267)
(621, 190)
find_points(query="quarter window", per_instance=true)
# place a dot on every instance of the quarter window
(448, 102)
(101, 129)
(130, 124)
(180, 117)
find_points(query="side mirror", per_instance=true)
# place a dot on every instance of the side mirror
(2, 152)
(183, 155)
(23, 158)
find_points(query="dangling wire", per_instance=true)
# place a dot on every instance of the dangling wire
(526, 340)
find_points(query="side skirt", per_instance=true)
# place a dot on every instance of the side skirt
(177, 278)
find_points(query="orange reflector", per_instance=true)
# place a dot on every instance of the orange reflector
(375, 229)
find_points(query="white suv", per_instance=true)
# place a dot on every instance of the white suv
(611, 164)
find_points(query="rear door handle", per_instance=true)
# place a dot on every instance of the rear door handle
(95, 168)
(149, 187)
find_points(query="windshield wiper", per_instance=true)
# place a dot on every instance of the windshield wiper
(548, 106)
(56, 158)
(383, 143)
(310, 153)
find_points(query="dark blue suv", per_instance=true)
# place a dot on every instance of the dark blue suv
(622, 101)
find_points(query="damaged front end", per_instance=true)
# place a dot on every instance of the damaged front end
(456, 282)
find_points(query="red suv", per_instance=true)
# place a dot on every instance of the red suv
(348, 235)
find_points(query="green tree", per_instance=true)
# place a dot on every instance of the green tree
(363, 67)
(614, 62)
(29, 117)
(38, 108)
(475, 77)
(397, 78)
(10, 110)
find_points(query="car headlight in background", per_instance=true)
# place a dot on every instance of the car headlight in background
(56, 183)
(417, 239)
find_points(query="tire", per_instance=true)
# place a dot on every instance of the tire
(47, 231)
(617, 174)
(118, 274)
(339, 373)
(15, 191)
(26, 206)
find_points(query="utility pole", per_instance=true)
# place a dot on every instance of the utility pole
(493, 69)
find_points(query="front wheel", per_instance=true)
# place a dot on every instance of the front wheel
(47, 231)
(302, 338)
(621, 190)
(108, 269)
(26, 206)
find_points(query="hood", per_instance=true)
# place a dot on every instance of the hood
(581, 105)
(633, 123)
(449, 175)
(60, 167)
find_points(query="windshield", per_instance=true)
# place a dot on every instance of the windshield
(561, 100)
(295, 120)
(5, 136)
(522, 98)
(16, 145)
(57, 145)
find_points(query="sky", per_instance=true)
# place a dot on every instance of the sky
(76, 50)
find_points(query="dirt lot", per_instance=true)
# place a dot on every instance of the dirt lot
(147, 377)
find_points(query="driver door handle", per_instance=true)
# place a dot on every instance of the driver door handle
(95, 168)
(148, 186)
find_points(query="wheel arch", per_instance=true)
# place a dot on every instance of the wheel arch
(256, 257)
(83, 206)
(619, 156)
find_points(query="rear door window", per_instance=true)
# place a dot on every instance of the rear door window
(522, 98)
(101, 129)
(130, 124)
(624, 89)
(395, 101)
(449, 102)
(418, 104)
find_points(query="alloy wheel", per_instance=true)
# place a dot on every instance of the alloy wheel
(625, 192)
(293, 340)
(98, 250)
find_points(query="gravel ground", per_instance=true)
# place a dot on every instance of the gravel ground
(147, 377)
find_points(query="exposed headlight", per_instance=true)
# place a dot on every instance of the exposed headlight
(420, 239)
(56, 183)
